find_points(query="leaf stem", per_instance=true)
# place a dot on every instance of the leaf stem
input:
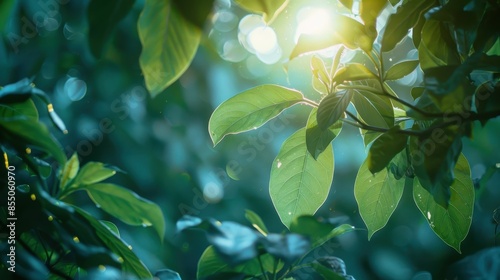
(310, 102)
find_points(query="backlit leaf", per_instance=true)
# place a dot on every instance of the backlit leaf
(299, 184)
(369, 11)
(332, 108)
(169, 43)
(353, 72)
(269, 8)
(250, 110)
(451, 224)
(377, 196)
(346, 31)
(401, 69)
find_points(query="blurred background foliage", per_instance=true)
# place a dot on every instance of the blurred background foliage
(164, 147)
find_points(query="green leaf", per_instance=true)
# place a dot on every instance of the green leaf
(26, 131)
(25, 109)
(332, 108)
(319, 232)
(93, 172)
(437, 48)
(353, 72)
(405, 18)
(321, 79)
(169, 43)
(103, 16)
(401, 69)
(416, 92)
(256, 221)
(433, 158)
(488, 31)
(197, 16)
(250, 110)
(6, 7)
(127, 206)
(131, 263)
(369, 11)
(347, 3)
(385, 148)
(112, 227)
(299, 184)
(325, 272)
(377, 196)
(345, 31)
(451, 224)
(318, 140)
(69, 171)
(210, 264)
(269, 8)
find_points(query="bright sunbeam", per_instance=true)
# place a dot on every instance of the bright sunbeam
(263, 39)
(313, 21)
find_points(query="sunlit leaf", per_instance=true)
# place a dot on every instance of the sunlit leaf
(299, 184)
(369, 10)
(406, 17)
(346, 31)
(318, 140)
(103, 16)
(256, 221)
(139, 211)
(401, 69)
(384, 148)
(69, 171)
(169, 43)
(353, 72)
(250, 110)
(321, 79)
(377, 196)
(92, 172)
(451, 224)
(269, 8)
(347, 3)
(332, 108)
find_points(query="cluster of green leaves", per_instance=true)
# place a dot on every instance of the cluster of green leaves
(239, 252)
(54, 237)
(410, 144)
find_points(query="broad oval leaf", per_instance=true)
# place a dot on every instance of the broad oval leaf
(250, 110)
(299, 184)
(318, 140)
(332, 108)
(452, 224)
(103, 16)
(377, 196)
(93, 172)
(269, 8)
(385, 148)
(353, 72)
(346, 31)
(169, 43)
(401, 69)
(127, 206)
(405, 18)
(25, 109)
(69, 171)
(437, 47)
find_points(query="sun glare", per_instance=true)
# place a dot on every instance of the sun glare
(263, 39)
(312, 21)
